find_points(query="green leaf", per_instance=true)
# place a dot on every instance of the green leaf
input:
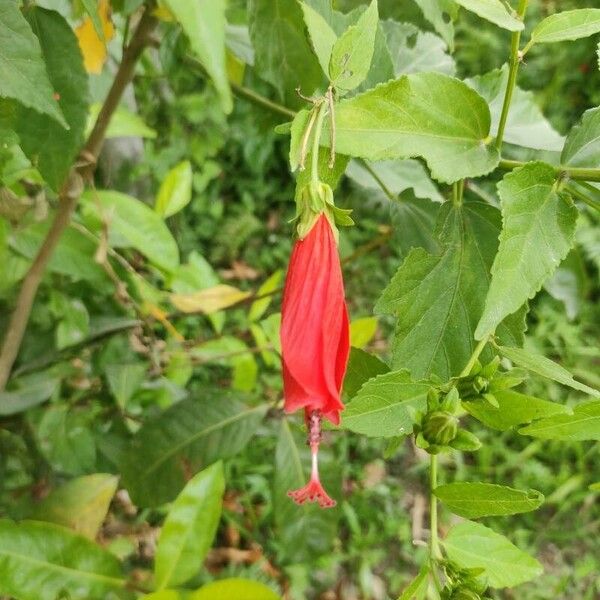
(472, 545)
(493, 11)
(303, 532)
(24, 75)
(190, 527)
(234, 589)
(26, 392)
(362, 331)
(80, 504)
(582, 146)
(74, 325)
(284, 57)
(513, 409)
(536, 363)
(131, 223)
(322, 37)
(203, 21)
(386, 405)
(474, 500)
(352, 53)
(418, 585)
(416, 51)
(123, 123)
(73, 256)
(186, 437)
(526, 125)
(270, 285)
(583, 424)
(42, 561)
(165, 595)
(362, 366)
(397, 175)
(49, 146)
(65, 440)
(568, 25)
(437, 299)
(537, 233)
(429, 115)
(441, 14)
(175, 191)
(124, 380)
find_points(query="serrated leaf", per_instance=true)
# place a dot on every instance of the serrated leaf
(362, 366)
(437, 299)
(472, 545)
(418, 586)
(80, 504)
(209, 300)
(191, 434)
(352, 53)
(203, 22)
(132, 223)
(474, 500)
(538, 232)
(234, 589)
(304, 532)
(175, 190)
(41, 561)
(429, 115)
(583, 424)
(190, 527)
(322, 36)
(526, 125)
(386, 405)
(284, 57)
(567, 25)
(536, 363)
(582, 146)
(50, 147)
(513, 409)
(24, 76)
(415, 51)
(493, 11)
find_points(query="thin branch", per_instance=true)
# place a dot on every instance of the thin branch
(584, 198)
(576, 173)
(69, 196)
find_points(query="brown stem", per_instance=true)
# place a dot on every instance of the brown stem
(69, 196)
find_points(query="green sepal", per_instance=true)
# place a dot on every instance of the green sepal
(465, 441)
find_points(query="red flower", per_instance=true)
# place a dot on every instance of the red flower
(314, 340)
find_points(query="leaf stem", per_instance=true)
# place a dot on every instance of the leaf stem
(576, 173)
(584, 198)
(478, 350)
(373, 173)
(515, 59)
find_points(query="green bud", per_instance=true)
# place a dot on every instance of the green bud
(480, 384)
(464, 594)
(440, 427)
(451, 401)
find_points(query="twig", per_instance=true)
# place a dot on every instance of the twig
(576, 173)
(69, 196)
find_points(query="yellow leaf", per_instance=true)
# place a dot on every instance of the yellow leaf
(362, 331)
(209, 300)
(92, 47)
(162, 13)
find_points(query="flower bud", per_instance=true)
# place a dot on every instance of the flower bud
(464, 594)
(440, 427)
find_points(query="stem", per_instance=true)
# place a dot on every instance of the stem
(458, 188)
(314, 168)
(478, 350)
(515, 59)
(385, 189)
(69, 196)
(434, 545)
(584, 198)
(576, 173)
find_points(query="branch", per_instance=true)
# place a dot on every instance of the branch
(577, 173)
(69, 196)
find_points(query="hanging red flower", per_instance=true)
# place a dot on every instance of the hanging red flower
(314, 341)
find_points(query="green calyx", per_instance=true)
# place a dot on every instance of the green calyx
(439, 427)
(313, 200)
